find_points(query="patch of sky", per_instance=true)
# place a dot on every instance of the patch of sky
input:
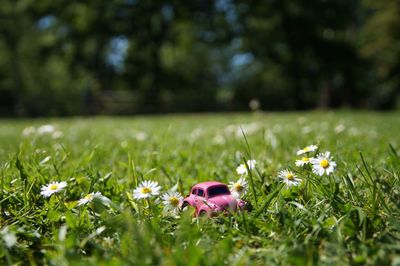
(241, 59)
(167, 12)
(118, 49)
(228, 8)
(46, 22)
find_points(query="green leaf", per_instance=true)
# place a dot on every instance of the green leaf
(54, 216)
(330, 222)
(71, 219)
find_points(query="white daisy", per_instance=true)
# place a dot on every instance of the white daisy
(172, 202)
(303, 161)
(251, 164)
(9, 237)
(307, 149)
(108, 242)
(28, 131)
(141, 136)
(323, 164)
(57, 135)
(62, 233)
(89, 198)
(254, 104)
(52, 188)
(146, 189)
(219, 140)
(289, 178)
(242, 169)
(239, 188)
(46, 129)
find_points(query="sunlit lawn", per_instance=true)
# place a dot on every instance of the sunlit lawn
(349, 217)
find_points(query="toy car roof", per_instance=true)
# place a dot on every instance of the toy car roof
(205, 185)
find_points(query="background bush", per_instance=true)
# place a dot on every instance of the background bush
(76, 57)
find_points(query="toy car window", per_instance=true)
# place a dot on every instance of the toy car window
(215, 191)
(200, 193)
(194, 192)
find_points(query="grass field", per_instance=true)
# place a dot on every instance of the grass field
(348, 217)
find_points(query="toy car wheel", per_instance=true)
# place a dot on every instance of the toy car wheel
(185, 206)
(248, 207)
(202, 213)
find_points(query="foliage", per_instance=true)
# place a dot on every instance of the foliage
(124, 57)
(349, 217)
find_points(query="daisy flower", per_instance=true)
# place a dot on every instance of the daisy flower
(323, 164)
(172, 201)
(239, 188)
(52, 188)
(303, 161)
(28, 131)
(9, 237)
(146, 189)
(141, 136)
(289, 178)
(252, 164)
(57, 135)
(242, 169)
(307, 149)
(89, 198)
(46, 129)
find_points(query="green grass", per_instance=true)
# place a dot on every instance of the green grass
(350, 217)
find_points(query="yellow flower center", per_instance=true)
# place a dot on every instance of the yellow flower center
(306, 149)
(89, 197)
(146, 190)
(290, 176)
(53, 187)
(174, 201)
(305, 159)
(324, 163)
(238, 187)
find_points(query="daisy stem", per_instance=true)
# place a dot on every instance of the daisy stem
(79, 215)
(305, 196)
(132, 168)
(62, 200)
(244, 221)
(149, 206)
(92, 213)
(59, 201)
(331, 183)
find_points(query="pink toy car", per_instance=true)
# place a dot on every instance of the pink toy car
(211, 198)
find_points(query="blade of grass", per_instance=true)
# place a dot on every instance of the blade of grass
(268, 200)
(253, 190)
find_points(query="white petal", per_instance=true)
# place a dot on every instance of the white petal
(300, 152)
(321, 171)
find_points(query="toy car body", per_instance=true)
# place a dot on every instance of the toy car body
(211, 198)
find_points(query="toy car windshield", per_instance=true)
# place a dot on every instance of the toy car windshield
(219, 190)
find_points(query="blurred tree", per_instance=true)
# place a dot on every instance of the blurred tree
(305, 48)
(172, 46)
(37, 73)
(56, 58)
(380, 45)
(12, 29)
